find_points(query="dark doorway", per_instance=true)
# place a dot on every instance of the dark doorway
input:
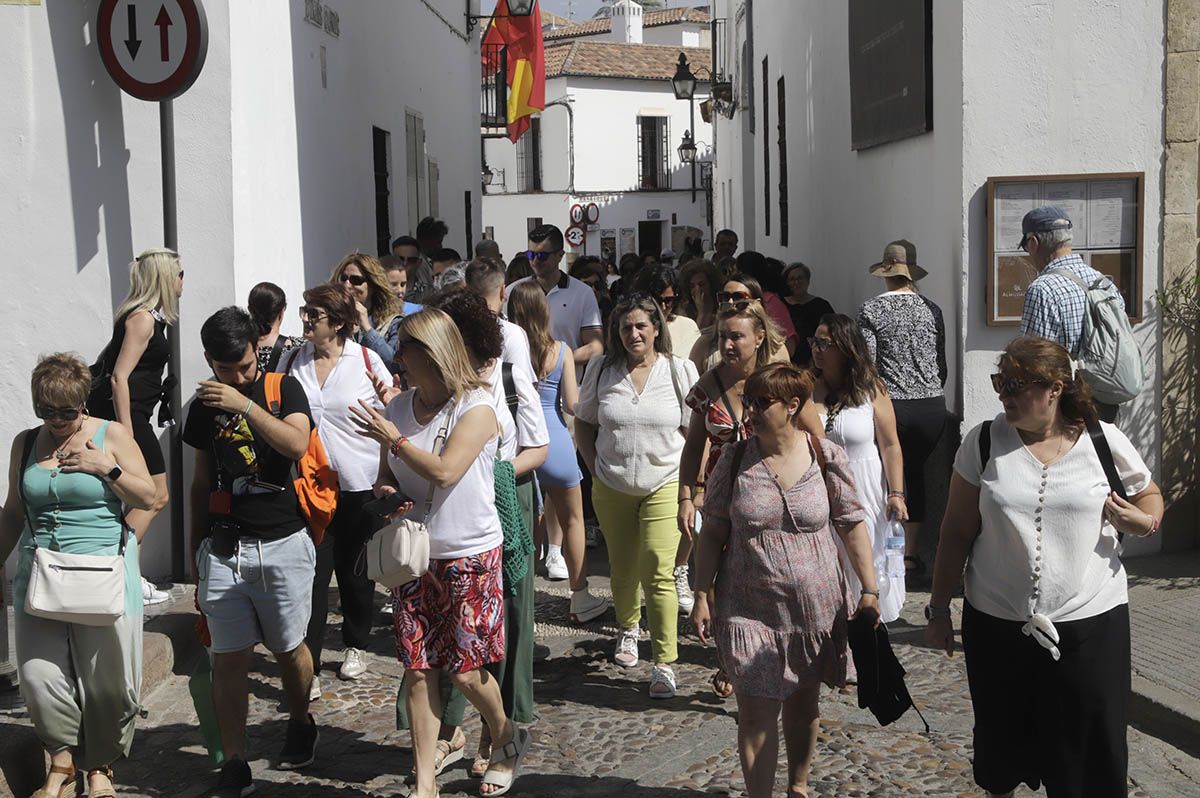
(650, 238)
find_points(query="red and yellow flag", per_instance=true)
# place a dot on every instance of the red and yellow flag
(526, 64)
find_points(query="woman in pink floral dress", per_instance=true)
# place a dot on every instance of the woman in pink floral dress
(783, 603)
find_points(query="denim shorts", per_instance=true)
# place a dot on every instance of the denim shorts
(260, 594)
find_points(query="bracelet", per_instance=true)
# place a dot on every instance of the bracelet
(396, 444)
(249, 406)
(865, 592)
(899, 493)
(683, 499)
(1153, 527)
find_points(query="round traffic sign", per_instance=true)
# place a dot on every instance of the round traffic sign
(592, 213)
(575, 235)
(576, 214)
(154, 49)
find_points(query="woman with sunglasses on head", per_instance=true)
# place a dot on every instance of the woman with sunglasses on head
(336, 373)
(377, 310)
(806, 310)
(66, 494)
(700, 280)
(440, 445)
(629, 427)
(857, 415)
(660, 283)
(774, 502)
(739, 291)
(130, 381)
(266, 305)
(1045, 621)
(769, 274)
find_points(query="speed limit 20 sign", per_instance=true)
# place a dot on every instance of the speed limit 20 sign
(154, 49)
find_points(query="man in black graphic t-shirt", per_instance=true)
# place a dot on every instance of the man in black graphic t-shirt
(254, 558)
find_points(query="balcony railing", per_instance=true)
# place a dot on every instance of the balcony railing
(493, 112)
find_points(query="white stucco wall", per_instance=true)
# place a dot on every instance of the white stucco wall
(82, 196)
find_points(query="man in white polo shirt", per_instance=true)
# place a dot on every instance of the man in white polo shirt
(574, 313)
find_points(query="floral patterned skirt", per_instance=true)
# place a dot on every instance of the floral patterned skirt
(452, 618)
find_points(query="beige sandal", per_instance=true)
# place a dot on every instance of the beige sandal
(102, 792)
(68, 788)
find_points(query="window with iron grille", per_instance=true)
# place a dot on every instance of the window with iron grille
(781, 113)
(766, 140)
(529, 158)
(654, 152)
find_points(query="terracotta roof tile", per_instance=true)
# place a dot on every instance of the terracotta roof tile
(651, 19)
(618, 60)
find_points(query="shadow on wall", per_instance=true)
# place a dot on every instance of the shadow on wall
(1179, 309)
(97, 158)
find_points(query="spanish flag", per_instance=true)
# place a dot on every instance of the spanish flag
(522, 36)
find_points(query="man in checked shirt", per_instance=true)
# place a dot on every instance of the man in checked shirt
(1054, 303)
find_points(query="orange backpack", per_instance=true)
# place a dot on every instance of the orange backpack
(317, 483)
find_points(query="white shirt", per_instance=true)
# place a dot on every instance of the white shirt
(638, 440)
(684, 334)
(1070, 568)
(573, 308)
(462, 520)
(531, 422)
(353, 457)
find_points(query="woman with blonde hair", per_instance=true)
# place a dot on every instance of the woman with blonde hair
(67, 480)
(377, 306)
(439, 445)
(128, 379)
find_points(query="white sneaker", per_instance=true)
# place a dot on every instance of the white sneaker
(314, 691)
(592, 536)
(585, 606)
(662, 682)
(556, 566)
(626, 654)
(354, 665)
(684, 590)
(152, 595)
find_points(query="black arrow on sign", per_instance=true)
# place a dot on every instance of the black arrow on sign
(133, 43)
(163, 22)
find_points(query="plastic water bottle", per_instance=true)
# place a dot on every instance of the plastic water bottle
(894, 547)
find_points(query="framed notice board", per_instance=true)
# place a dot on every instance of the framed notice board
(1107, 218)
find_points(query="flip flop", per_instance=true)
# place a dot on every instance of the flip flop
(514, 750)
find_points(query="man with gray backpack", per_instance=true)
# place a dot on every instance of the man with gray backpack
(1080, 308)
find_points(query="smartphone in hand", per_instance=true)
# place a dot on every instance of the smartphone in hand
(387, 505)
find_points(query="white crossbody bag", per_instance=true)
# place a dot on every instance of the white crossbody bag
(87, 589)
(399, 552)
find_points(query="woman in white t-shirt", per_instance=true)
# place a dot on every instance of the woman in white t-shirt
(336, 373)
(1046, 615)
(629, 427)
(441, 447)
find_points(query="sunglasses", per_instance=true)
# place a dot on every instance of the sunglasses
(759, 403)
(59, 413)
(312, 315)
(540, 257)
(411, 259)
(353, 279)
(819, 344)
(730, 297)
(666, 300)
(1011, 386)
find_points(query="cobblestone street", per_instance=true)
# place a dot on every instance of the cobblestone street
(597, 733)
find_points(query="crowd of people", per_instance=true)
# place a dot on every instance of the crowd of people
(710, 412)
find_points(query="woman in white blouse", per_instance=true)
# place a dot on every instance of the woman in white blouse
(336, 373)
(1046, 615)
(442, 441)
(629, 427)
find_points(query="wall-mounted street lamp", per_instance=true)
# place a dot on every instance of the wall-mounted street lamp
(516, 8)
(687, 148)
(684, 86)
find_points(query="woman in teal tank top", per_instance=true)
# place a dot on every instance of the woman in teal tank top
(82, 684)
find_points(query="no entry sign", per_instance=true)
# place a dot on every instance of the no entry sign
(154, 49)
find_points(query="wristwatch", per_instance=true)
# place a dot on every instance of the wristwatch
(932, 612)
(115, 474)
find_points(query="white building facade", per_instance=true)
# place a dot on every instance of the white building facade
(1017, 90)
(609, 136)
(315, 129)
